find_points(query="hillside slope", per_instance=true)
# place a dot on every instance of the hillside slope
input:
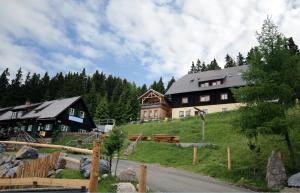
(247, 169)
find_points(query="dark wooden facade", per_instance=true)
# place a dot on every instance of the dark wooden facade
(50, 126)
(194, 98)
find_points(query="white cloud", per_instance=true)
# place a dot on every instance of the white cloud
(164, 35)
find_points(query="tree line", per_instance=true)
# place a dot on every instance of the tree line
(213, 65)
(106, 96)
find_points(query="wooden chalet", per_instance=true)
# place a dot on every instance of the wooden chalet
(47, 118)
(153, 106)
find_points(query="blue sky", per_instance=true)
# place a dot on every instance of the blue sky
(139, 40)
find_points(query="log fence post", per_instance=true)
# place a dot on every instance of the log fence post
(94, 173)
(143, 179)
(229, 158)
(195, 155)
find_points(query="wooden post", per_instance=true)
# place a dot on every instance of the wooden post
(195, 155)
(94, 173)
(229, 158)
(143, 179)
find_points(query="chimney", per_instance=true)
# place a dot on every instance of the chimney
(27, 103)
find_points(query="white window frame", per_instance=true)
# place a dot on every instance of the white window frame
(145, 114)
(181, 113)
(48, 127)
(72, 111)
(64, 128)
(150, 113)
(155, 114)
(204, 84)
(184, 100)
(14, 114)
(205, 98)
(224, 96)
(82, 114)
(29, 128)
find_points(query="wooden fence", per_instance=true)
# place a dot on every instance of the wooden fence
(39, 167)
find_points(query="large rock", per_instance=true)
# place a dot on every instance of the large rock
(276, 175)
(2, 148)
(61, 162)
(85, 165)
(27, 152)
(128, 175)
(125, 187)
(294, 180)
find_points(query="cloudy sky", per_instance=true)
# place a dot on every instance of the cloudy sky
(139, 40)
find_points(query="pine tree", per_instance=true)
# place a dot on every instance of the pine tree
(229, 62)
(143, 89)
(198, 67)
(4, 84)
(170, 82)
(213, 65)
(102, 109)
(203, 67)
(240, 60)
(292, 46)
(160, 86)
(193, 68)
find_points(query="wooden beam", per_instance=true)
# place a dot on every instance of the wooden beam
(143, 179)
(72, 160)
(67, 148)
(75, 183)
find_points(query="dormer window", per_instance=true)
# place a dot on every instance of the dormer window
(71, 111)
(204, 84)
(216, 83)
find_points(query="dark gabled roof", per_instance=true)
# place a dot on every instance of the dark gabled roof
(44, 110)
(151, 90)
(190, 83)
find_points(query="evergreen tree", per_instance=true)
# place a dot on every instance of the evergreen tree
(160, 86)
(143, 89)
(193, 68)
(213, 65)
(4, 85)
(292, 46)
(102, 109)
(170, 82)
(203, 67)
(198, 67)
(229, 62)
(240, 59)
(273, 81)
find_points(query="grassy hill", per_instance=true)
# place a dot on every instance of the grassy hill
(247, 169)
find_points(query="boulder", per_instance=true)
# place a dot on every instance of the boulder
(276, 175)
(85, 165)
(61, 162)
(51, 173)
(127, 175)
(5, 168)
(11, 172)
(294, 180)
(125, 187)
(2, 148)
(27, 152)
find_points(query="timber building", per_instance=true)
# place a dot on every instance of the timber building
(46, 118)
(209, 91)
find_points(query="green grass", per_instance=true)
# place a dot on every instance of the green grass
(104, 185)
(212, 161)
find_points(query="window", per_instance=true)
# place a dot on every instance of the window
(14, 115)
(81, 114)
(155, 114)
(23, 128)
(181, 113)
(216, 83)
(204, 84)
(224, 96)
(145, 114)
(64, 128)
(224, 109)
(150, 113)
(205, 98)
(184, 100)
(29, 128)
(72, 112)
(188, 113)
(48, 127)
